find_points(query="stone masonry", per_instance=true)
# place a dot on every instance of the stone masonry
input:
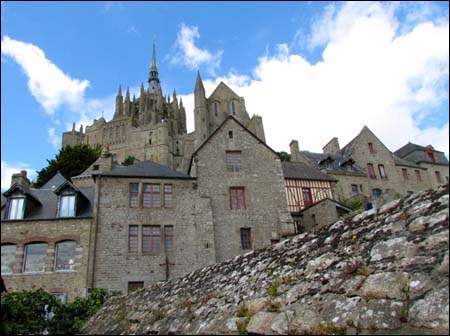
(380, 271)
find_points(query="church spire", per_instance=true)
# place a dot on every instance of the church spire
(153, 67)
(199, 84)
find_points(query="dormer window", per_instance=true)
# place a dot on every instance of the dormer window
(16, 208)
(67, 206)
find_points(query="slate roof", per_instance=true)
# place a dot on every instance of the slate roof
(416, 154)
(147, 169)
(300, 170)
(336, 164)
(54, 182)
(403, 162)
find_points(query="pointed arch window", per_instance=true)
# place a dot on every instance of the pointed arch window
(216, 109)
(233, 107)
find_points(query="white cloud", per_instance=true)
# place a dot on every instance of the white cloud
(191, 56)
(8, 169)
(54, 139)
(47, 83)
(372, 73)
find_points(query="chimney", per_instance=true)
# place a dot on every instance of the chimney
(295, 151)
(332, 147)
(106, 160)
(21, 179)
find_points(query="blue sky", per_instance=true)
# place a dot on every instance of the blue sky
(312, 70)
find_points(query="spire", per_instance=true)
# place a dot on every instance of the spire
(153, 67)
(127, 95)
(119, 93)
(174, 93)
(199, 83)
(181, 102)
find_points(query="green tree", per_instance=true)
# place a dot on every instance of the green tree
(70, 161)
(129, 160)
(284, 156)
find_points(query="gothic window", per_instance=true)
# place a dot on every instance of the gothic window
(16, 208)
(151, 239)
(232, 107)
(246, 238)
(237, 198)
(405, 173)
(151, 196)
(382, 172)
(168, 238)
(67, 206)
(65, 256)
(233, 161)
(307, 196)
(8, 258)
(371, 171)
(134, 188)
(133, 238)
(34, 259)
(167, 196)
(438, 177)
(418, 177)
(216, 108)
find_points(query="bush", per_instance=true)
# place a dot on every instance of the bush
(27, 312)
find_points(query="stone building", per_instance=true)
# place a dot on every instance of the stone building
(366, 169)
(45, 236)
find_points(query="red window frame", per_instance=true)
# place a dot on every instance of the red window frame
(371, 171)
(151, 239)
(151, 195)
(168, 191)
(237, 198)
(382, 171)
(168, 238)
(307, 196)
(371, 149)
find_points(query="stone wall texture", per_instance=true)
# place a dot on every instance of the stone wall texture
(380, 271)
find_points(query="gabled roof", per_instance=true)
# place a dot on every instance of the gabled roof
(402, 162)
(302, 171)
(347, 149)
(147, 169)
(54, 182)
(416, 154)
(230, 117)
(22, 190)
(338, 163)
(89, 170)
(222, 84)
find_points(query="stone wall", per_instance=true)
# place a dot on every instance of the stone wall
(344, 185)
(382, 271)
(261, 176)
(190, 217)
(412, 183)
(319, 215)
(73, 283)
(431, 169)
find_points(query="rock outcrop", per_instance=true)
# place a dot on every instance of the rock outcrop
(381, 271)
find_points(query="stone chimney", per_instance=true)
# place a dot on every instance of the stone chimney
(21, 179)
(332, 147)
(106, 160)
(295, 151)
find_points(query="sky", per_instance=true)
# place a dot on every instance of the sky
(312, 70)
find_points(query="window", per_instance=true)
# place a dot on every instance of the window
(151, 196)
(134, 190)
(360, 187)
(16, 208)
(371, 150)
(233, 161)
(8, 258)
(67, 206)
(405, 173)
(168, 238)
(135, 285)
(167, 196)
(61, 297)
(307, 197)
(151, 239)
(355, 192)
(65, 256)
(34, 260)
(382, 172)
(418, 177)
(371, 171)
(232, 107)
(216, 108)
(133, 238)
(246, 238)
(438, 177)
(230, 134)
(237, 198)
(376, 193)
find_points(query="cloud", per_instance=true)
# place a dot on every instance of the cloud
(133, 30)
(12, 168)
(189, 55)
(54, 139)
(47, 83)
(372, 73)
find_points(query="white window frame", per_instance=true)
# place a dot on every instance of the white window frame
(14, 204)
